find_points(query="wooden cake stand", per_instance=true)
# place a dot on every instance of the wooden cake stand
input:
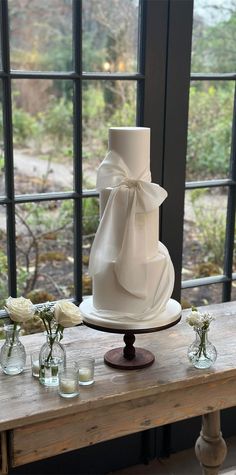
(129, 357)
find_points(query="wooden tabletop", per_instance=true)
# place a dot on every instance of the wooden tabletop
(24, 401)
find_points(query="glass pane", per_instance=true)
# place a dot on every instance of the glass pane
(214, 36)
(90, 224)
(203, 295)
(110, 35)
(2, 165)
(204, 232)
(209, 129)
(45, 250)
(41, 35)
(43, 135)
(3, 258)
(105, 104)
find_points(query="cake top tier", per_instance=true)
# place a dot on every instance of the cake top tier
(133, 146)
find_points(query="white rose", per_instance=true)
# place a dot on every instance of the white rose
(19, 309)
(67, 314)
(194, 319)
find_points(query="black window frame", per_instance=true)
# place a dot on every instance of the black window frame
(77, 76)
(162, 104)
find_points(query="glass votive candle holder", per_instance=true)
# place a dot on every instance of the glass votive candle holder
(35, 364)
(68, 382)
(85, 367)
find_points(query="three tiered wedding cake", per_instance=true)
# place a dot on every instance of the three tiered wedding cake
(133, 276)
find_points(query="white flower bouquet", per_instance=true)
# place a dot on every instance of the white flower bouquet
(19, 310)
(54, 317)
(199, 320)
(201, 353)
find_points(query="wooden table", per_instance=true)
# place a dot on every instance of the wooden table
(36, 423)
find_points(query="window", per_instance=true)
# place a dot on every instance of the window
(209, 257)
(70, 70)
(68, 73)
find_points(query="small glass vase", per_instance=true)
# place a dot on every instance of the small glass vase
(202, 353)
(12, 355)
(52, 356)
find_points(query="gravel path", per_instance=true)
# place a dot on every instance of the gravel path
(28, 165)
(59, 176)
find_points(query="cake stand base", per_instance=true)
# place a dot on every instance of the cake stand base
(130, 357)
(116, 359)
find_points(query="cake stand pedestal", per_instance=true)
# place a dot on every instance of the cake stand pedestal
(129, 357)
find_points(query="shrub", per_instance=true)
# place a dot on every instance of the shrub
(210, 223)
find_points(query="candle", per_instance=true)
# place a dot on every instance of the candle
(68, 386)
(85, 374)
(85, 365)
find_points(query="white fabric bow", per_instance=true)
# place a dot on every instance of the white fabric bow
(119, 233)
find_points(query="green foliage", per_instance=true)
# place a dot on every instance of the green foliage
(47, 217)
(209, 136)
(124, 115)
(42, 225)
(93, 55)
(60, 55)
(90, 215)
(57, 122)
(1, 164)
(210, 224)
(213, 46)
(93, 102)
(25, 126)
(21, 278)
(3, 278)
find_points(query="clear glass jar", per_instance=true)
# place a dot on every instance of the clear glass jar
(12, 355)
(51, 357)
(202, 353)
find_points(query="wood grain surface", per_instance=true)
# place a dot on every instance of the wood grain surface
(43, 424)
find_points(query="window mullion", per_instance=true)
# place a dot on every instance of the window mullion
(230, 219)
(77, 147)
(156, 33)
(141, 62)
(176, 125)
(8, 151)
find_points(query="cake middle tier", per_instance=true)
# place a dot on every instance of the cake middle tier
(147, 224)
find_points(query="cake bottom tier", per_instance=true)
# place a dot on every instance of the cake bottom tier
(169, 316)
(109, 295)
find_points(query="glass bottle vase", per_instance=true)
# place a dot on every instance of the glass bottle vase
(202, 353)
(51, 357)
(12, 355)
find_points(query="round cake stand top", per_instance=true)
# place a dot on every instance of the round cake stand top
(147, 321)
(133, 330)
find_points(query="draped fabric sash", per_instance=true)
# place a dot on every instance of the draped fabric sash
(119, 234)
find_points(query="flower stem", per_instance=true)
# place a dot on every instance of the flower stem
(202, 345)
(12, 340)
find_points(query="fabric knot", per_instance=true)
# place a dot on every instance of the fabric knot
(130, 183)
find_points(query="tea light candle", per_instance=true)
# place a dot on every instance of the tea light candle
(85, 374)
(68, 386)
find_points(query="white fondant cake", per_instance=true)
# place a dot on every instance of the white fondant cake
(133, 276)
